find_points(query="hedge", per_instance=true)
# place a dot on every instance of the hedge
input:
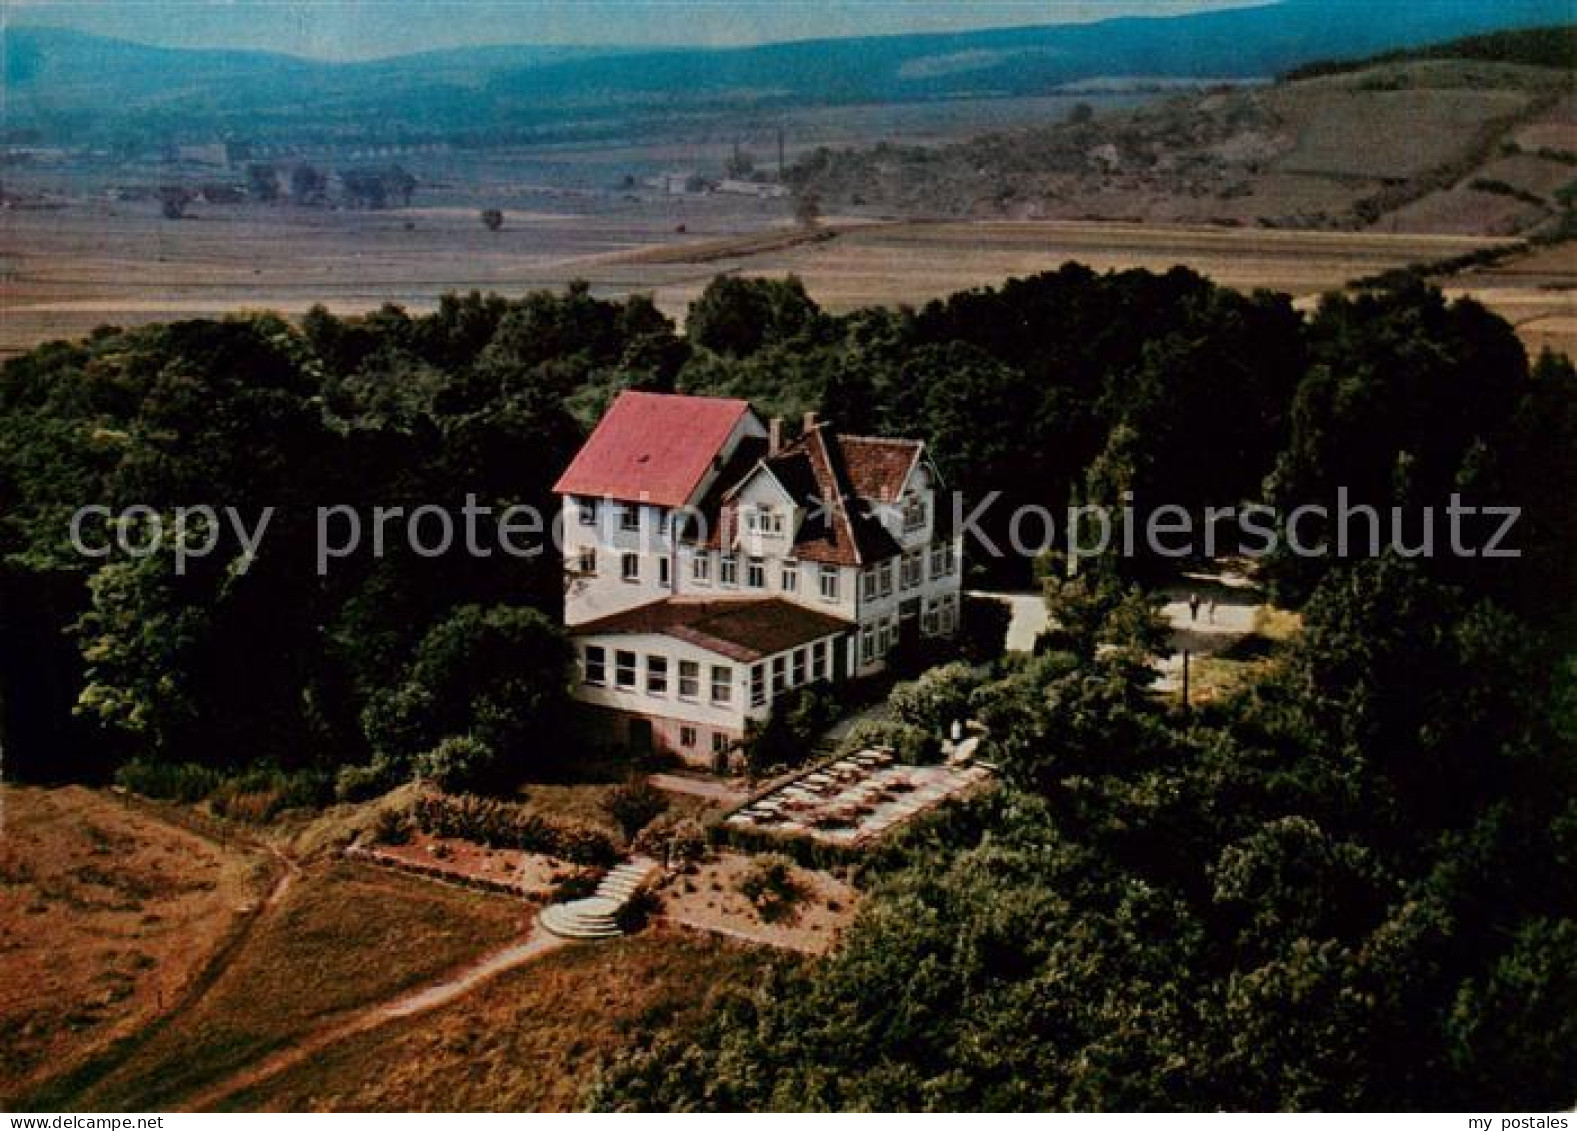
(505, 824)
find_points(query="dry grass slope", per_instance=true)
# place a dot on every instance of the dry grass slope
(344, 937)
(529, 1041)
(107, 914)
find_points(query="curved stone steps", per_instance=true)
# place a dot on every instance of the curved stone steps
(597, 916)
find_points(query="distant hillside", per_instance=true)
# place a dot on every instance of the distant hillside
(1528, 47)
(1422, 142)
(70, 86)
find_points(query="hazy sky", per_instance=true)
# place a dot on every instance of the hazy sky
(359, 29)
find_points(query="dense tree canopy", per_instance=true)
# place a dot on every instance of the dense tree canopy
(1330, 894)
(1350, 885)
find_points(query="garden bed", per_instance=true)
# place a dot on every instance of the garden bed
(507, 870)
(709, 899)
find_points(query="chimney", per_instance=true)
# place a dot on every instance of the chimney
(808, 425)
(774, 435)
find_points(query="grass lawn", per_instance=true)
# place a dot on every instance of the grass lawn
(345, 936)
(531, 1040)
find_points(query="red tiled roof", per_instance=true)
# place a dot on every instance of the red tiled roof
(839, 481)
(878, 467)
(747, 629)
(652, 447)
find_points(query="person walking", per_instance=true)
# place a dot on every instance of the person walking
(1193, 607)
(1210, 611)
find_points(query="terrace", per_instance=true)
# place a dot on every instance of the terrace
(856, 799)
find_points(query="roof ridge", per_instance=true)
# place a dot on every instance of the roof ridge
(741, 401)
(904, 440)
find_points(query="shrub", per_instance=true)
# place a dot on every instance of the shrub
(503, 824)
(770, 886)
(634, 806)
(937, 699)
(460, 764)
(185, 782)
(393, 826)
(675, 842)
(362, 783)
(262, 792)
(579, 884)
(908, 743)
(789, 733)
(637, 911)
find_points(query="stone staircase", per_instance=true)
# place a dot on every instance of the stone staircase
(596, 916)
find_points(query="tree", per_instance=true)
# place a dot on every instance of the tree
(807, 208)
(173, 200)
(307, 185)
(498, 676)
(737, 317)
(262, 182)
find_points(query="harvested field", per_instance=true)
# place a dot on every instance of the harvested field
(107, 915)
(77, 268)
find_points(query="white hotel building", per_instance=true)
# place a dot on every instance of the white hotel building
(710, 566)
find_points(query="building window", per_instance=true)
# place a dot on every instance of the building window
(818, 660)
(948, 619)
(756, 574)
(596, 665)
(657, 675)
(867, 644)
(588, 562)
(728, 569)
(885, 576)
(829, 583)
(909, 573)
(701, 567)
(719, 742)
(941, 560)
(779, 675)
(868, 580)
(884, 637)
(629, 517)
(764, 520)
(913, 513)
(799, 666)
(662, 572)
(790, 579)
(722, 683)
(689, 679)
(630, 567)
(624, 670)
(758, 685)
(587, 510)
(928, 621)
(687, 737)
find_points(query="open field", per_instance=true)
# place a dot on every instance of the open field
(344, 937)
(65, 271)
(527, 1041)
(107, 915)
(1537, 293)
